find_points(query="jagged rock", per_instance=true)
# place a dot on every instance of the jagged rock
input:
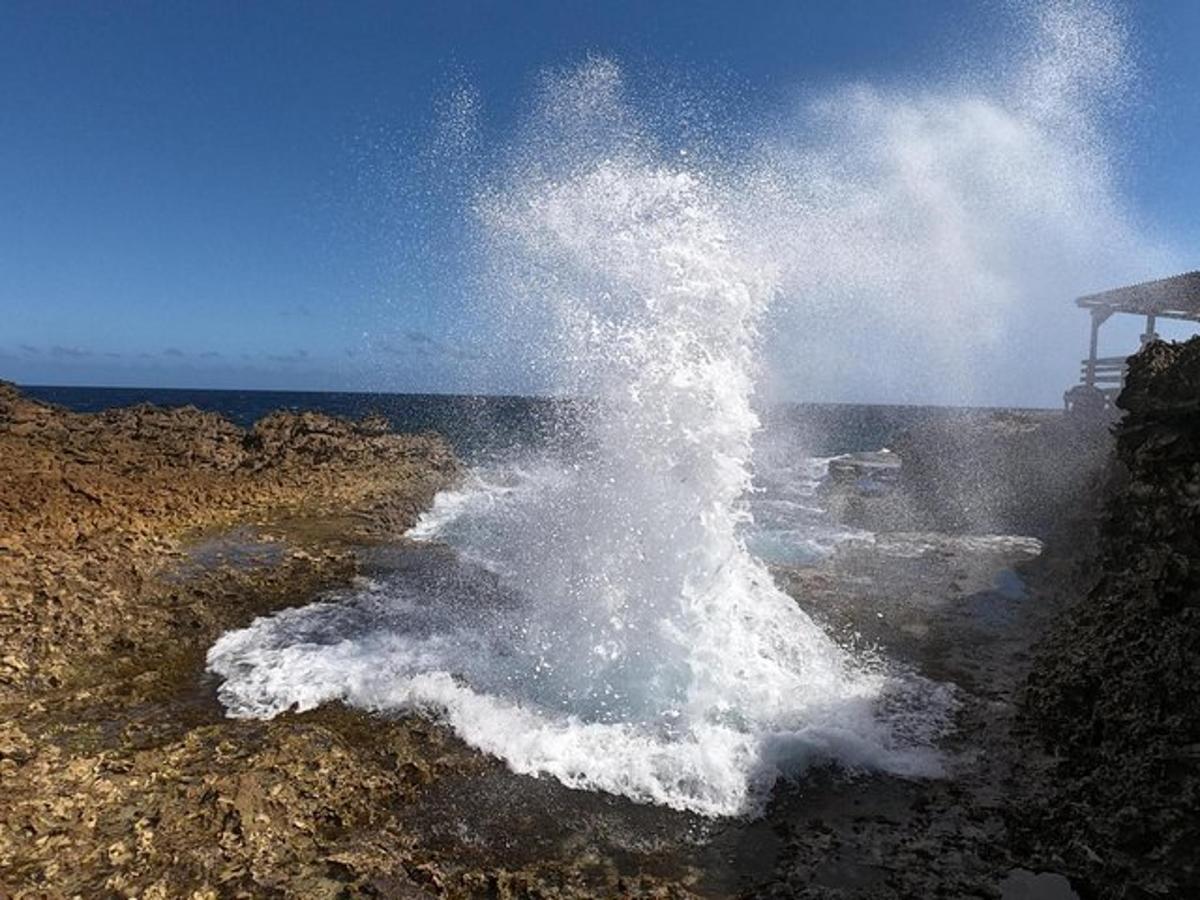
(119, 777)
(87, 498)
(1116, 689)
(1022, 472)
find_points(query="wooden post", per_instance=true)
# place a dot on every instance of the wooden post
(1089, 377)
(1149, 335)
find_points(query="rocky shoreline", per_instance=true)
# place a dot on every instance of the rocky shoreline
(1115, 691)
(129, 540)
(94, 509)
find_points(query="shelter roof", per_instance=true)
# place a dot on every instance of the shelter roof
(1175, 297)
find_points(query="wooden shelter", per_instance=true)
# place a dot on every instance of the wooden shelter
(1101, 378)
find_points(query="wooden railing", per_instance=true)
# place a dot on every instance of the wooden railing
(1106, 370)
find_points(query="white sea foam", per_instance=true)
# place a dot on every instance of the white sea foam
(384, 646)
(645, 651)
(474, 516)
(632, 643)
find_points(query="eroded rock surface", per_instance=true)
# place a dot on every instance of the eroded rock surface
(130, 539)
(91, 507)
(1116, 691)
(1003, 471)
(119, 775)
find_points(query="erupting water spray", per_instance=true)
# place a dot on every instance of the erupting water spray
(640, 648)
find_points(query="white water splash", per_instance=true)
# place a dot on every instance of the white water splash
(634, 644)
(649, 653)
(931, 236)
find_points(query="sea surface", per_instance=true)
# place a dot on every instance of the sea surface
(563, 643)
(506, 441)
(479, 426)
(475, 425)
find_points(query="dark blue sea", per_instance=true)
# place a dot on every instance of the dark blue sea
(483, 424)
(473, 424)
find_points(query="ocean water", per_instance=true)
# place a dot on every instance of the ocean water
(477, 426)
(387, 644)
(484, 426)
(615, 623)
(514, 445)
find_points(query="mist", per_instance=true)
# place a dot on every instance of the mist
(925, 241)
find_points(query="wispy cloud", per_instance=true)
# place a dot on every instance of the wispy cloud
(424, 344)
(210, 354)
(420, 337)
(60, 352)
(28, 348)
(289, 358)
(174, 352)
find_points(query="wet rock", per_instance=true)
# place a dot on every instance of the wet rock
(1003, 471)
(90, 504)
(880, 467)
(1115, 694)
(1024, 885)
(120, 562)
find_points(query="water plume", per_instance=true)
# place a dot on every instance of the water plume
(940, 230)
(633, 643)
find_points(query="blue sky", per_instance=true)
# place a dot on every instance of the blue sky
(234, 195)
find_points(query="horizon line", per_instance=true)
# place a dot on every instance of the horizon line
(510, 396)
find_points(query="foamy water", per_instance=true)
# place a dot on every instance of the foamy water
(633, 640)
(645, 650)
(462, 650)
